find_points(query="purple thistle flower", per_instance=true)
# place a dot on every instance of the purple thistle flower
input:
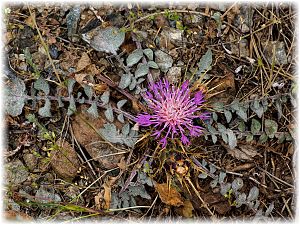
(173, 110)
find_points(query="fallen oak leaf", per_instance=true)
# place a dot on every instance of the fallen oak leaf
(169, 195)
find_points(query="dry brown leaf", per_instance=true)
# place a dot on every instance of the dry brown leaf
(64, 160)
(29, 20)
(83, 62)
(107, 195)
(186, 210)
(122, 164)
(244, 152)
(107, 190)
(80, 77)
(99, 200)
(169, 196)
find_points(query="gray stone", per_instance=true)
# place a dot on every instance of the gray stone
(16, 172)
(275, 51)
(172, 34)
(163, 60)
(244, 19)
(174, 75)
(31, 161)
(47, 195)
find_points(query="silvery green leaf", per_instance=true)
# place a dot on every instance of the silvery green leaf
(139, 191)
(225, 188)
(109, 113)
(288, 136)
(134, 57)
(93, 110)
(269, 209)
(214, 183)
(70, 84)
(132, 84)
(263, 138)
(281, 137)
(293, 101)
(214, 138)
(79, 95)
(211, 129)
(109, 132)
(271, 127)
(72, 106)
(105, 97)
(149, 53)
(257, 107)
(205, 62)
(105, 39)
(121, 103)
(218, 106)
(126, 129)
(228, 115)
(241, 112)
(257, 203)
(237, 184)
(278, 105)
(137, 91)
(130, 141)
(224, 137)
(255, 126)
(140, 80)
(60, 103)
(265, 104)
(142, 70)
(203, 163)
(202, 175)
(232, 141)
(88, 90)
(221, 128)
(45, 110)
(235, 105)
(152, 65)
(215, 116)
(15, 97)
(241, 199)
(253, 194)
(145, 179)
(133, 133)
(249, 137)
(42, 85)
(121, 118)
(125, 81)
(222, 176)
(81, 100)
(241, 126)
(212, 168)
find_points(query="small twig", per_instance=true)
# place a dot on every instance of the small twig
(45, 46)
(276, 178)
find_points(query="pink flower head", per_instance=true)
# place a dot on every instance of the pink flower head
(172, 111)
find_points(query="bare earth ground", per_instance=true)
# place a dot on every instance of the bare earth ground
(74, 80)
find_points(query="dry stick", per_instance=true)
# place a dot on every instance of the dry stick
(276, 178)
(122, 91)
(45, 46)
(203, 202)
